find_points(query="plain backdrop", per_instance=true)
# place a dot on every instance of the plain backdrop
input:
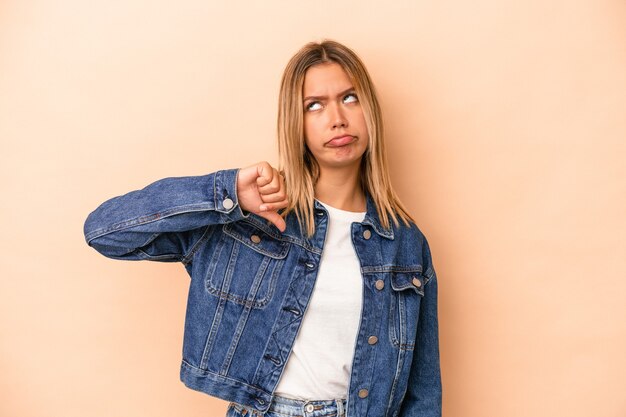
(506, 125)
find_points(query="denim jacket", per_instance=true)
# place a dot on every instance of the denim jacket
(251, 284)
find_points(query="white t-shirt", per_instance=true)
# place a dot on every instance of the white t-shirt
(320, 363)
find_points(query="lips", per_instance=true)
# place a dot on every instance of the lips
(340, 141)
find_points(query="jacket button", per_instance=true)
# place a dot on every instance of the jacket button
(417, 282)
(228, 203)
(372, 340)
(367, 234)
(380, 284)
(255, 238)
(363, 393)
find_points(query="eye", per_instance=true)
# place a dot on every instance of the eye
(314, 105)
(350, 98)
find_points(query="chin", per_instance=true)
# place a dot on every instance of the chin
(341, 163)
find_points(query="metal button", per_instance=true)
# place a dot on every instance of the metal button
(309, 408)
(417, 282)
(367, 234)
(372, 340)
(255, 238)
(380, 284)
(228, 203)
(363, 393)
(310, 265)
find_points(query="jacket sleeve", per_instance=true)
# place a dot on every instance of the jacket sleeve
(164, 220)
(424, 395)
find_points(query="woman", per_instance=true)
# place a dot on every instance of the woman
(312, 290)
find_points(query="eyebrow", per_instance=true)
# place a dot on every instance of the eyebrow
(348, 90)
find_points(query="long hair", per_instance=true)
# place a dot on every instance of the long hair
(298, 164)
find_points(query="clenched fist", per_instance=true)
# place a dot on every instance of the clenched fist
(261, 190)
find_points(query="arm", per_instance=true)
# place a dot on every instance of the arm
(157, 222)
(164, 220)
(423, 396)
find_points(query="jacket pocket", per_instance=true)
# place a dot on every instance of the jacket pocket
(408, 290)
(245, 264)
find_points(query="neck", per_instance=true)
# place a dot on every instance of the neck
(341, 189)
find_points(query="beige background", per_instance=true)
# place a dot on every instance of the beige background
(507, 127)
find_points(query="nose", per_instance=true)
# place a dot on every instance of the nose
(337, 117)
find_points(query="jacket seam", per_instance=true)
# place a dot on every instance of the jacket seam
(203, 372)
(196, 246)
(165, 256)
(148, 218)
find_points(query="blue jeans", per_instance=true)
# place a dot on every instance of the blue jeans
(286, 407)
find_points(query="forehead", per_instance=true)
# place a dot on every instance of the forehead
(324, 78)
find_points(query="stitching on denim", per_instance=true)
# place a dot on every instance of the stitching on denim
(208, 345)
(272, 338)
(286, 238)
(243, 318)
(392, 320)
(373, 269)
(210, 340)
(429, 275)
(397, 307)
(254, 303)
(205, 372)
(396, 286)
(148, 218)
(208, 231)
(270, 275)
(294, 279)
(261, 247)
(168, 256)
(396, 378)
(402, 316)
(215, 178)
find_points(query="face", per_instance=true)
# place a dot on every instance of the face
(334, 125)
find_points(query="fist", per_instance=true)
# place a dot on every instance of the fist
(261, 190)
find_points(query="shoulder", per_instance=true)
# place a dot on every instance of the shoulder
(410, 232)
(412, 239)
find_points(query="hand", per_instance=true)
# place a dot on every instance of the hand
(261, 190)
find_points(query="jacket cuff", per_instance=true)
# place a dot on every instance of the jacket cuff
(225, 195)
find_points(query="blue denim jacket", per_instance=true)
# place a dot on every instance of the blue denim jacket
(251, 284)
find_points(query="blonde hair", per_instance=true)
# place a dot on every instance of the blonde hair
(298, 164)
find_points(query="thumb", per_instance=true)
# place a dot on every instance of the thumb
(275, 218)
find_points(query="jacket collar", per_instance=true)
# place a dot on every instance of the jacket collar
(371, 218)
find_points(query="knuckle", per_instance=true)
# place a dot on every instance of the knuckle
(265, 168)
